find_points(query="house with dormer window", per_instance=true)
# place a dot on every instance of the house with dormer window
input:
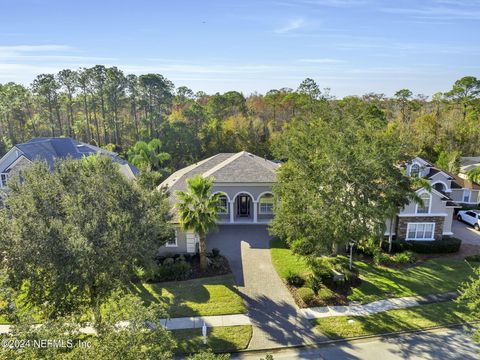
(432, 219)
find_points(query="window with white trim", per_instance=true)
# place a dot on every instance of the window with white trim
(420, 231)
(466, 195)
(266, 204)
(172, 242)
(424, 207)
(3, 180)
(414, 170)
(223, 203)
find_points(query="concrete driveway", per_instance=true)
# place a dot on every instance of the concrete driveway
(271, 308)
(466, 233)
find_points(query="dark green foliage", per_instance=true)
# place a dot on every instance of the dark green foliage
(444, 246)
(169, 271)
(307, 295)
(473, 258)
(322, 269)
(295, 280)
(75, 235)
(215, 252)
(344, 168)
(401, 258)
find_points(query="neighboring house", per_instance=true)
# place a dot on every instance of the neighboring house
(433, 219)
(468, 163)
(245, 182)
(50, 150)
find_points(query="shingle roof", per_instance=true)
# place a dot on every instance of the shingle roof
(52, 149)
(464, 183)
(241, 167)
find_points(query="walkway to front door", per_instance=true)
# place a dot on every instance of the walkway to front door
(272, 310)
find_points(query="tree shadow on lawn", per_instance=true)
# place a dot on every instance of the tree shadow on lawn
(399, 320)
(180, 298)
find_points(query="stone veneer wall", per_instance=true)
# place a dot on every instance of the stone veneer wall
(403, 223)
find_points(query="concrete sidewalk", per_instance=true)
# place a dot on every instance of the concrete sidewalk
(211, 321)
(374, 307)
(195, 322)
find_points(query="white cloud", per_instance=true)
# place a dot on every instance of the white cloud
(292, 24)
(437, 12)
(322, 61)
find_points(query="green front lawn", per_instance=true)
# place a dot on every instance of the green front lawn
(413, 318)
(215, 295)
(430, 277)
(379, 282)
(219, 339)
(285, 261)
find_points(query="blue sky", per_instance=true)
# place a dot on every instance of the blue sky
(350, 46)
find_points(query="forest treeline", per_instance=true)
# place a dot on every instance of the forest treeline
(105, 107)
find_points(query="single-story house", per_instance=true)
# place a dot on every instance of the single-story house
(51, 150)
(245, 183)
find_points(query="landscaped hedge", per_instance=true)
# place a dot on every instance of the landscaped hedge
(444, 246)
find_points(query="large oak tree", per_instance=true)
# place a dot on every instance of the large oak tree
(72, 236)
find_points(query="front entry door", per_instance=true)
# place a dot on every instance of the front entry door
(243, 206)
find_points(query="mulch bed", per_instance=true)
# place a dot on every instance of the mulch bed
(339, 298)
(222, 269)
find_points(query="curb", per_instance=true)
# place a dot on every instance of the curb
(360, 338)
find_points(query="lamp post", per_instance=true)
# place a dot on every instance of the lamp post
(351, 243)
(204, 333)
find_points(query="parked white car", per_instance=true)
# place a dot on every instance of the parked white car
(471, 217)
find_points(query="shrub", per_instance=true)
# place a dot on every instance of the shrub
(215, 252)
(313, 283)
(406, 257)
(473, 258)
(171, 270)
(295, 280)
(446, 245)
(322, 269)
(168, 261)
(368, 247)
(397, 246)
(307, 295)
(381, 258)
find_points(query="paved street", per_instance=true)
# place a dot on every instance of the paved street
(272, 310)
(441, 344)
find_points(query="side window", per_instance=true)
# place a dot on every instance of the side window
(469, 213)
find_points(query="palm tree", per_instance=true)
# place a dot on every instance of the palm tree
(148, 155)
(197, 210)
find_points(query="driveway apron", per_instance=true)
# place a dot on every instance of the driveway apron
(275, 317)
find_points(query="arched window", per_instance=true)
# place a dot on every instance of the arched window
(414, 170)
(223, 203)
(266, 204)
(425, 207)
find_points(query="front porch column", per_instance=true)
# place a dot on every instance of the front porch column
(231, 210)
(255, 208)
